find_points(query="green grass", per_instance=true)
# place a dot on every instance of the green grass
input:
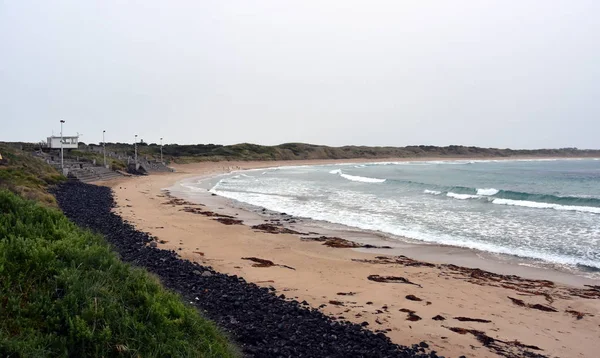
(27, 176)
(64, 293)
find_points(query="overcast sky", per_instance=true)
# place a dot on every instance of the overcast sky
(521, 74)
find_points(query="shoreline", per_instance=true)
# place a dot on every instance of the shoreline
(321, 274)
(415, 249)
(501, 263)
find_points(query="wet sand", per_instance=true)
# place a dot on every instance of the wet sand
(371, 286)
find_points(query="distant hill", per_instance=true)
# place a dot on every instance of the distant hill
(301, 151)
(296, 151)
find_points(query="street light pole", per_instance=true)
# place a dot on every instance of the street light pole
(104, 147)
(62, 163)
(135, 149)
(161, 157)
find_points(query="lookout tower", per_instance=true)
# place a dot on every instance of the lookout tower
(69, 142)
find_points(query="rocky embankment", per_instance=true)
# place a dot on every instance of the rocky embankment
(261, 323)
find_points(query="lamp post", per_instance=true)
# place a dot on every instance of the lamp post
(135, 151)
(104, 147)
(62, 163)
(161, 157)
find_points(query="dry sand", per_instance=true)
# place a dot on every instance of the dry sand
(319, 275)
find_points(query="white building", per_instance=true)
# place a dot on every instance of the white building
(69, 142)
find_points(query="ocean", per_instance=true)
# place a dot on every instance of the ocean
(547, 211)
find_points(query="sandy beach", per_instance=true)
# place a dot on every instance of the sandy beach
(454, 309)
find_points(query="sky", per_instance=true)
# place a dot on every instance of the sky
(510, 73)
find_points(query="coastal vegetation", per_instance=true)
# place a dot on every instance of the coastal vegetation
(64, 292)
(188, 153)
(27, 176)
(184, 153)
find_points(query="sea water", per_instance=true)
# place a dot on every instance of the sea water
(544, 210)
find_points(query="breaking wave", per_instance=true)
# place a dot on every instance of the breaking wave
(515, 198)
(362, 179)
(548, 198)
(487, 192)
(461, 196)
(535, 204)
(356, 178)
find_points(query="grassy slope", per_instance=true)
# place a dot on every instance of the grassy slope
(27, 176)
(63, 292)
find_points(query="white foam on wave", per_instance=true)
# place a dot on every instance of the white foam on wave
(361, 179)
(429, 162)
(487, 192)
(462, 196)
(384, 223)
(537, 205)
(432, 192)
(356, 177)
(343, 211)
